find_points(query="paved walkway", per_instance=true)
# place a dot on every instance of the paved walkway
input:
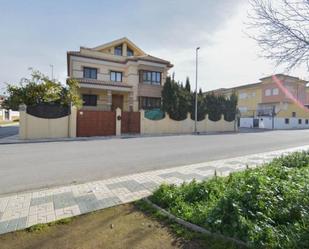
(22, 210)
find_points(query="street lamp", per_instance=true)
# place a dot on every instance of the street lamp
(196, 67)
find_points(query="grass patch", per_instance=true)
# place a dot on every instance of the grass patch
(203, 241)
(42, 227)
(266, 207)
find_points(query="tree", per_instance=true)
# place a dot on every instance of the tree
(188, 86)
(40, 89)
(230, 107)
(281, 30)
(214, 106)
(201, 106)
(169, 97)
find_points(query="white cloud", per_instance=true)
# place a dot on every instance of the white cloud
(227, 58)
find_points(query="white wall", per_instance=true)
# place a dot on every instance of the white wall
(265, 122)
(12, 114)
(246, 122)
(279, 123)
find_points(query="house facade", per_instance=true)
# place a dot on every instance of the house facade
(118, 74)
(279, 102)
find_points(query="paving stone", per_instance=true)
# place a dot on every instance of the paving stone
(206, 168)
(22, 223)
(255, 158)
(224, 169)
(87, 203)
(41, 200)
(3, 226)
(109, 202)
(184, 177)
(63, 200)
(234, 162)
(150, 185)
(131, 185)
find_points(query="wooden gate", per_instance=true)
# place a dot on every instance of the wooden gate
(130, 122)
(96, 123)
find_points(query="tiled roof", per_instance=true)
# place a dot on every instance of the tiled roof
(149, 58)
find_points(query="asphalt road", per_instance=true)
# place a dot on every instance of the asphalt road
(38, 165)
(7, 131)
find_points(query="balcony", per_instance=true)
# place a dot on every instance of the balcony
(106, 85)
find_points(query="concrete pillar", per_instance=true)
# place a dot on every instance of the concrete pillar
(142, 113)
(109, 100)
(124, 49)
(22, 122)
(118, 122)
(131, 100)
(73, 122)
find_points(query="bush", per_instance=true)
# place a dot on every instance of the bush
(267, 207)
(40, 89)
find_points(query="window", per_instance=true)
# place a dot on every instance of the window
(242, 95)
(299, 121)
(149, 77)
(150, 103)
(287, 121)
(267, 92)
(307, 121)
(89, 100)
(293, 114)
(118, 50)
(129, 52)
(275, 91)
(243, 109)
(90, 73)
(116, 76)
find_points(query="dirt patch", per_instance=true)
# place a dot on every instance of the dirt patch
(116, 228)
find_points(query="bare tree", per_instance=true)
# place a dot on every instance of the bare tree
(281, 29)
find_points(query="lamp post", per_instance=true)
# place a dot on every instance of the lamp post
(196, 71)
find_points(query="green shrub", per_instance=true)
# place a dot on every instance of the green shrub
(268, 207)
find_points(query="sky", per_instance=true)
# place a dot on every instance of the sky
(37, 34)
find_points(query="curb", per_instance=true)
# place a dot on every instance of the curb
(192, 226)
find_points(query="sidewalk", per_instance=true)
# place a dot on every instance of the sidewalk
(21, 210)
(15, 139)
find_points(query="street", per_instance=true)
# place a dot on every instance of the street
(6, 131)
(38, 165)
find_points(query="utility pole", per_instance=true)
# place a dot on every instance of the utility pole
(196, 71)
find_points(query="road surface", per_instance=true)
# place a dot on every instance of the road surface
(6, 131)
(39, 165)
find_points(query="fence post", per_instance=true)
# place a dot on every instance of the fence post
(22, 122)
(118, 122)
(72, 122)
(142, 125)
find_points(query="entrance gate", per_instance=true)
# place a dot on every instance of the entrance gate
(96, 123)
(131, 122)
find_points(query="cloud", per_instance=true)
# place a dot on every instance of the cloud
(38, 33)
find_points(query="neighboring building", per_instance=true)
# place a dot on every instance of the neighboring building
(270, 105)
(118, 74)
(1, 99)
(7, 115)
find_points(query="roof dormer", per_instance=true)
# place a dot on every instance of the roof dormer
(121, 47)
